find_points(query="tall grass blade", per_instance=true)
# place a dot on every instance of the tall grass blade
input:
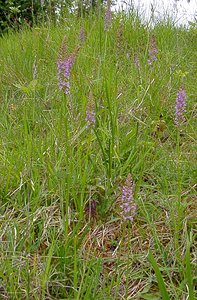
(47, 270)
(160, 280)
(188, 272)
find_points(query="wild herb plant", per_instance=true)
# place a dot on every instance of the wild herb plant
(66, 155)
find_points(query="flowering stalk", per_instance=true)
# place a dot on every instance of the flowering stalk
(82, 35)
(180, 106)
(152, 53)
(108, 16)
(64, 66)
(64, 69)
(90, 113)
(128, 205)
(119, 37)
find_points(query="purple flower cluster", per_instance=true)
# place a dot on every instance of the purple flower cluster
(64, 69)
(152, 53)
(128, 206)
(90, 115)
(108, 16)
(64, 66)
(180, 106)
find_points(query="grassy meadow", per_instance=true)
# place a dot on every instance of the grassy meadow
(62, 228)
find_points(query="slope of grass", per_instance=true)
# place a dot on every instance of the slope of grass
(61, 227)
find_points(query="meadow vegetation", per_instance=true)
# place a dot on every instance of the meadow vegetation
(68, 157)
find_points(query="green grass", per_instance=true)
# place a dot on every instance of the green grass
(54, 243)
